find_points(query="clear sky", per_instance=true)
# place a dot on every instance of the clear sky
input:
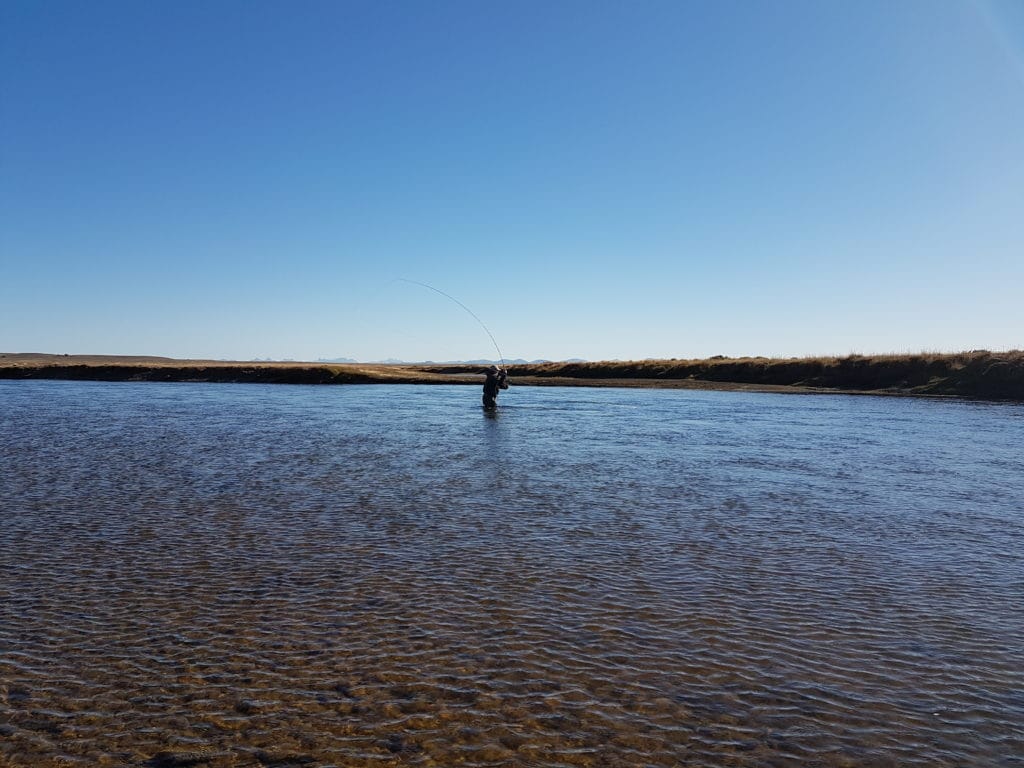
(243, 179)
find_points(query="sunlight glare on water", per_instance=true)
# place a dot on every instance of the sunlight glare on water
(245, 575)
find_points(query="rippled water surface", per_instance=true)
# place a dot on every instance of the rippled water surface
(246, 575)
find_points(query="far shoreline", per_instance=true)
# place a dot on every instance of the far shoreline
(979, 374)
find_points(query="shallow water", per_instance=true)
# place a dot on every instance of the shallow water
(247, 575)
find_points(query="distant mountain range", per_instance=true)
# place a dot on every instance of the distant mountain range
(394, 361)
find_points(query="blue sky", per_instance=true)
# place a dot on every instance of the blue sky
(593, 179)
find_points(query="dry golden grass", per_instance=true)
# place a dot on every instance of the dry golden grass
(979, 373)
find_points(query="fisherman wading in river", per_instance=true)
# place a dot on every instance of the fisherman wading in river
(497, 378)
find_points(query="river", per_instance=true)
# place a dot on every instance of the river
(247, 575)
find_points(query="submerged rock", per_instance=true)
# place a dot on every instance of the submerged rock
(169, 759)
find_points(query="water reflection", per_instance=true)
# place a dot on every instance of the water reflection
(258, 575)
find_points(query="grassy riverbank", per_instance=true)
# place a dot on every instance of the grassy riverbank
(978, 374)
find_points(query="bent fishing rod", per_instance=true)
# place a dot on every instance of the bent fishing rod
(471, 312)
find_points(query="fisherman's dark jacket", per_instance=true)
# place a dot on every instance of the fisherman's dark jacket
(495, 381)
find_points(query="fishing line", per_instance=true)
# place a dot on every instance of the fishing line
(471, 312)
